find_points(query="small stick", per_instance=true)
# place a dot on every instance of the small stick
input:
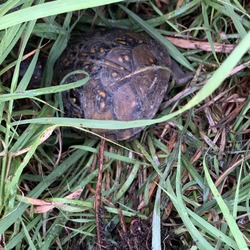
(98, 196)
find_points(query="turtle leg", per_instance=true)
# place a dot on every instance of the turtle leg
(180, 77)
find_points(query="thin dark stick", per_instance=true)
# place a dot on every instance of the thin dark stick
(98, 196)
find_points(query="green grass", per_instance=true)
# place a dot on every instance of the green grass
(188, 173)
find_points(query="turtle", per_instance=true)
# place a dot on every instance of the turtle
(129, 77)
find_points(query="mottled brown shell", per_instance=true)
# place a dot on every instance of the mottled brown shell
(125, 83)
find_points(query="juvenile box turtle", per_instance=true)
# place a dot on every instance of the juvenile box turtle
(129, 74)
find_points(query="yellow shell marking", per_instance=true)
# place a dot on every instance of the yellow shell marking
(101, 93)
(126, 57)
(102, 105)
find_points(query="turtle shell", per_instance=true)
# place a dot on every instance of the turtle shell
(129, 74)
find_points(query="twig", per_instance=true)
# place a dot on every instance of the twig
(98, 196)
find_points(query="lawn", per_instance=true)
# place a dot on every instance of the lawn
(183, 183)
